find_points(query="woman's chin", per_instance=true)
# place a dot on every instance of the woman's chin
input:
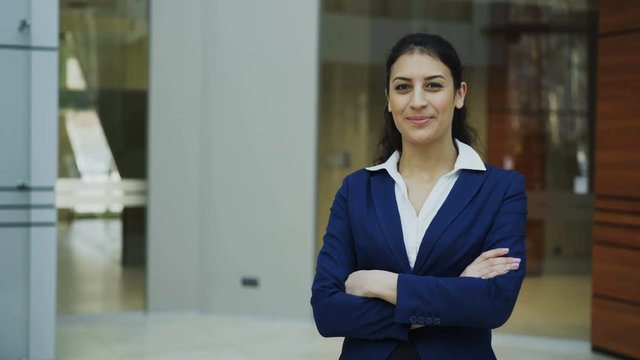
(423, 140)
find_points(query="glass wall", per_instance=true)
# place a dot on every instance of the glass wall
(101, 190)
(529, 66)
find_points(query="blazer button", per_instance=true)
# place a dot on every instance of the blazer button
(421, 320)
(413, 319)
(428, 321)
(436, 321)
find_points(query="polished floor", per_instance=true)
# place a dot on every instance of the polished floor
(557, 306)
(101, 315)
(200, 337)
(90, 278)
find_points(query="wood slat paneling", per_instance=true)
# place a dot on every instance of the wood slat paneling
(617, 204)
(611, 180)
(616, 57)
(618, 116)
(615, 314)
(620, 235)
(616, 273)
(615, 327)
(620, 204)
(618, 15)
(617, 218)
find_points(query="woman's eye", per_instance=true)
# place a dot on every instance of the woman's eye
(433, 86)
(402, 87)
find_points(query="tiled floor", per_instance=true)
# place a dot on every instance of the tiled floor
(90, 278)
(550, 321)
(197, 336)
(556, 306)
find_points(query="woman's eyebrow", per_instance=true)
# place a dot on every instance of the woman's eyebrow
(402, 78)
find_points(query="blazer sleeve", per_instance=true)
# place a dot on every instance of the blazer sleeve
(337, 313)
(467, 301)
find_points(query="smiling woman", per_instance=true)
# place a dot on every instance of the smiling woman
(422, 97)
(424, 78)
(424, 252)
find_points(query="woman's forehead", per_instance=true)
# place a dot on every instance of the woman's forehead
(419, 65)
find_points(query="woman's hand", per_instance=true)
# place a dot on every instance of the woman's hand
(374, 284)
(490, 264)
(359, 283)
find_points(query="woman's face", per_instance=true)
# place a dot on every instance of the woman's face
(422, 98)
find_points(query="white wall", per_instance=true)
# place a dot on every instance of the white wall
(28, 152)
(175, 118)
(232, 155)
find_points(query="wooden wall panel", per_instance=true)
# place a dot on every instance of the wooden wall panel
(617, 218)
(617, 205)
(616, 235)
(616, 326)
(617, 56)
(618, 15)
(618, 126)
(616, 273)
(615, 314)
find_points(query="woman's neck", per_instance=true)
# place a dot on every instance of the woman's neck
(428, 160)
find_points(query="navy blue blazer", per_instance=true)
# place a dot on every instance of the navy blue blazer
(484, 210)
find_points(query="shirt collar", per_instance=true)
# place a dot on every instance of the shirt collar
(391, 165)
(467, 159)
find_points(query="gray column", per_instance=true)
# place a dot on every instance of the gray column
(232, 156)
(28, 163)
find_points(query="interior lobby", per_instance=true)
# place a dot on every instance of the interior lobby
(199, 145)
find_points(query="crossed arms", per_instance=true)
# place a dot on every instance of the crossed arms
(375, 304)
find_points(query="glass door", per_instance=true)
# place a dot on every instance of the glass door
(529, 66)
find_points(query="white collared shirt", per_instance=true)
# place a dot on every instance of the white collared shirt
(415, 226)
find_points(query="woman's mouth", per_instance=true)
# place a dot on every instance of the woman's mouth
(420, 120)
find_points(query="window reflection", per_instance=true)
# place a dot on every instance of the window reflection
(101, 192)
(529, 68)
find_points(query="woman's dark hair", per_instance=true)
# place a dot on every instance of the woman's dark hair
(439, 48)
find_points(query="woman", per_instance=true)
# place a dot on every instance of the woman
(424, 253)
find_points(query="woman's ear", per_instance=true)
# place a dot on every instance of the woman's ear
(460, 94)
(386, 94)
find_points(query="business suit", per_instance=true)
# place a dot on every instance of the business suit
(485, 210)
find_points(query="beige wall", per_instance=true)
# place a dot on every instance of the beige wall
(232, 143)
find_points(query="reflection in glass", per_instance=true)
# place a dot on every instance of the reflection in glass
(528, 65)
(102, 164)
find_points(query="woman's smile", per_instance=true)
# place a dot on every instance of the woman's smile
(420, 120)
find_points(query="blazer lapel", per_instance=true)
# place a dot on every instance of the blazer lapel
(461, 194)
(384, 200)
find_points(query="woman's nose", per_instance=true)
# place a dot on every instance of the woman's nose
(419, 99)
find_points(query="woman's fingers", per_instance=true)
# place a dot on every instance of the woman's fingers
(497, 262)
(497, 265)
(492, 254)
(486, 265)
(498, 270)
